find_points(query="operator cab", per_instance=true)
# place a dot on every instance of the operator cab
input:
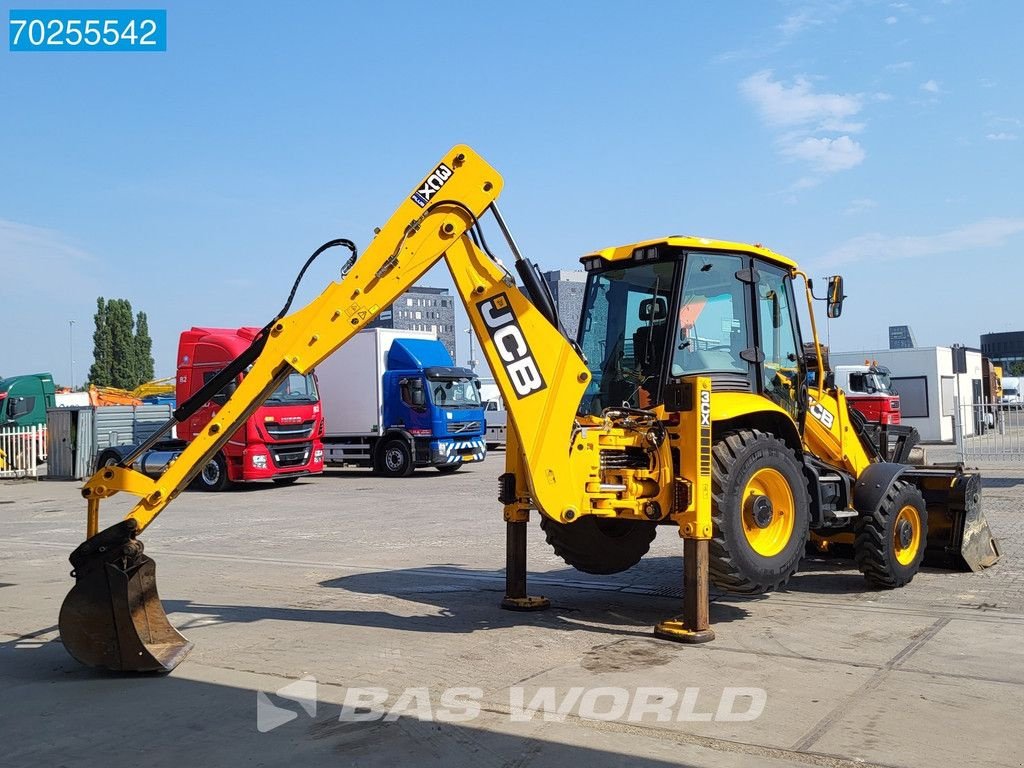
(655, 312)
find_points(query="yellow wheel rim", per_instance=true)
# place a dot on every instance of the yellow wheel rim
(768, 512)
(906, 535)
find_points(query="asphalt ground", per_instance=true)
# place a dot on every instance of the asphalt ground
(373, 604)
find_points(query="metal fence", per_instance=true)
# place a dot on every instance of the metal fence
(22, 450)
(996, 432)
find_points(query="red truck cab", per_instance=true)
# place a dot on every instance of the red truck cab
(869, 390)
(281, 441)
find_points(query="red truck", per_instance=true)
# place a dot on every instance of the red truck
(869, 390)
(281, 441)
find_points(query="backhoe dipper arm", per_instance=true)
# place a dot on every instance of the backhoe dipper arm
(540, 375)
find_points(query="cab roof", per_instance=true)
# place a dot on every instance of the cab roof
(688, 242)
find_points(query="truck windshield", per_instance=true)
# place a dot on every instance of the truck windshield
(295, 390)
(454, 393)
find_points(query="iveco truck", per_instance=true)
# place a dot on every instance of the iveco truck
(394, 400)
(279, 442)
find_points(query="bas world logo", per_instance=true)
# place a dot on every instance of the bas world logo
(270, 716)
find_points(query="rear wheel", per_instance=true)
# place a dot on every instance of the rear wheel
(599, 545)
(890, 542)
(214, 476)
(108, 458)
(395, 458)
(759, 512)
(447, 469)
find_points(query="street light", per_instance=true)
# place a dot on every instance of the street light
(471, 362)
(71, 350)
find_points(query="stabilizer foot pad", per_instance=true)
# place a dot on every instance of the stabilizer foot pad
(525, 603)
(676, 631)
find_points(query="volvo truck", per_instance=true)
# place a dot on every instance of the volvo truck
(394, 400)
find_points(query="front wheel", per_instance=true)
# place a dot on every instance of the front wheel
(108, 458)
(395, 458)
(600, 545)
(759, 512)
(284, 480)
(889, 542)
(447, 469)
(214, 476)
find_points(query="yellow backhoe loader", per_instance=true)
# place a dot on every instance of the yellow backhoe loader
(683, 403)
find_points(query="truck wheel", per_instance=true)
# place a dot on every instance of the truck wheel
(759, 512)
(447, 469)
(599, 545)
(214, 476)
(108, 458)
(284, 480)
(395, 458)
(890, 542)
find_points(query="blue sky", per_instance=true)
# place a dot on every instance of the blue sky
(880, 139)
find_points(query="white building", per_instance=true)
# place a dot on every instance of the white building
(927, 386)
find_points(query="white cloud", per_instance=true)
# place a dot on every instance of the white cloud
(930, 86)
(827, 155)
(900, 66)
(804, 118)
(796, 23)
(891, 20)
(860, 205)
(798, 104)
(1001, 136)
(987, 233)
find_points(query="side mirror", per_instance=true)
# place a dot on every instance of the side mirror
(417, 395)
(835, 296)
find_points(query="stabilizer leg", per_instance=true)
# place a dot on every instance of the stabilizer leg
(516, 598)
(694, 626)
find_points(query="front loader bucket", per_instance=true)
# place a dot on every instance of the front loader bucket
(112, 618)
(958, 534)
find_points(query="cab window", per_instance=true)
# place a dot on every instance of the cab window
(780, 368)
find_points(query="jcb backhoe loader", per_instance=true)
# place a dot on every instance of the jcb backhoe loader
(683, 403)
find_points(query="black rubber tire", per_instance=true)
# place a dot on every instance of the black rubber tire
(448, 469)
(394, 458)
(874, 544)
(214, 480)
(107, 458)
(600, 545)
(284, 480)
(733, 564)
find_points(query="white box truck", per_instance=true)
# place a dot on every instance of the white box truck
(394, 400)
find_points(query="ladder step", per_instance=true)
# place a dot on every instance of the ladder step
(844, 513)
(829, 478)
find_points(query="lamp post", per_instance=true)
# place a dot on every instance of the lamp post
(71, 350)
(471, 361)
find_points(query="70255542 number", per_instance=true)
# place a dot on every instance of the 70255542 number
(70, 30)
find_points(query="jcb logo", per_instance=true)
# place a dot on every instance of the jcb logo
(432, 184)
(515, 354)
(819, 412)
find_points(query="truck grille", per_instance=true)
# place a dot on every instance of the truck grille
(291, 455)
(289, 431)
(459, 427)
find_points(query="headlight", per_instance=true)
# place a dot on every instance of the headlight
(259, 461)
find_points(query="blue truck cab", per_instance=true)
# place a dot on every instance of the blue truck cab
(435, 402)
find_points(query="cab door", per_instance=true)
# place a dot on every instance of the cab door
(781, 370)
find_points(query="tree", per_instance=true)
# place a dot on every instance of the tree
(143, 349)
(100, 373)
(124, 369)
(1015, 368)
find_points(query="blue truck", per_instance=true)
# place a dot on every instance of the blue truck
(394, 400)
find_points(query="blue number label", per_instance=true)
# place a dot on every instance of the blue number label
(78, 31)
